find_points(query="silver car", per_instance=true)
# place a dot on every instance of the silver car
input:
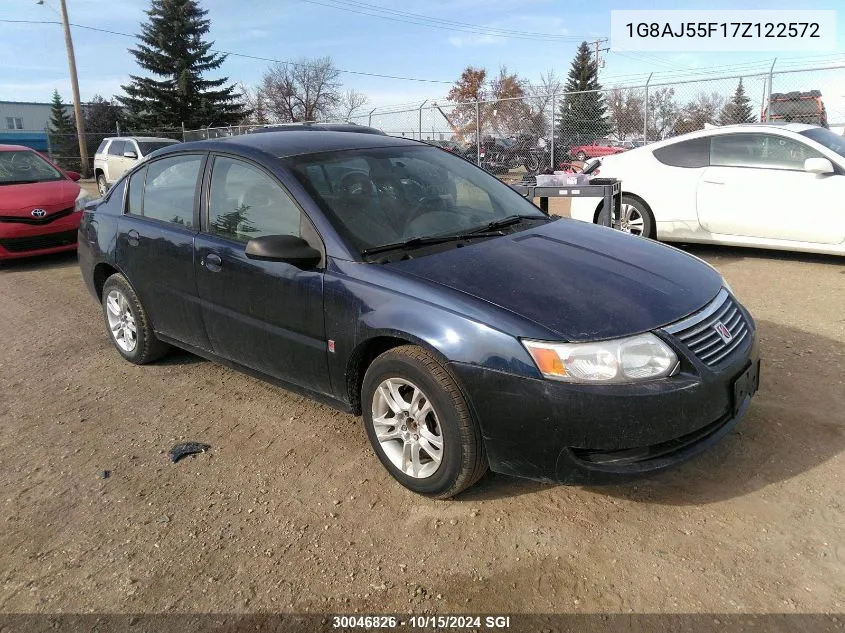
(118, 154)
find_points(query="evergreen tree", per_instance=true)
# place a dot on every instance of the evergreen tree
(64, 145)
(738, 109)
(582, 117)
(172, 48)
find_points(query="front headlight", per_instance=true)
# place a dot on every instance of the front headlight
(81, 200)
(631, 359)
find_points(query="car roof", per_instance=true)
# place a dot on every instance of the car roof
(316, 127)
(143, 138)
(15, 148)
(293, 142)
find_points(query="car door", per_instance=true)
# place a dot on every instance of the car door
(155, 244)
(265, 315)
(756, 186)
(114, 160)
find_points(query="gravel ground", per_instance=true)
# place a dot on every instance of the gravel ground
(290, 510)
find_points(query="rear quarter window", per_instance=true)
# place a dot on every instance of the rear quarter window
(102, 147)
(689, 154)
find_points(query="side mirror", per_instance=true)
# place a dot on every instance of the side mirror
(131, 155)
(73, 175)
(818, 165)
(283, 248)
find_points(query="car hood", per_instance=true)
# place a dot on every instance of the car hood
(20, 200)
(579, 281)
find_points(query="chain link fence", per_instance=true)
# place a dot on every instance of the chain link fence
(544, 133)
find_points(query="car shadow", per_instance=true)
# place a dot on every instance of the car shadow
(38, 262)
(795, 423)
(177, 357)
(716, 254)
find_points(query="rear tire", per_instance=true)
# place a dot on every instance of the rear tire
(581, 156)
(128, 324)
(411, 404)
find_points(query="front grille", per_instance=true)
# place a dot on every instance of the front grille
(38, 242)
(32, 220)
(699, 331)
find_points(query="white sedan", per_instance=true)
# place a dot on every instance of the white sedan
(765, 185)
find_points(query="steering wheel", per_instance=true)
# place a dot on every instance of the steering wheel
(357, 183)
(419, 209)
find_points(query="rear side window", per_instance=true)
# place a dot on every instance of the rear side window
(170, 189)
(116, 148)
(690, 154)
(135, 200)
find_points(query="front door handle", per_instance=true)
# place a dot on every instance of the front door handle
(133, 237)
(713, 182)
(212, 262)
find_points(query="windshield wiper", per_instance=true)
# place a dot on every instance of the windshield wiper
(507, 221)
(415, 242)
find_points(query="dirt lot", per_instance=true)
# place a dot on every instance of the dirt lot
(290, 510)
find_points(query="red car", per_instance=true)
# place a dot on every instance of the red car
(40, 204)
(601, 147)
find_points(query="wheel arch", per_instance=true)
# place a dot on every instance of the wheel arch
(639, 199)
(368, 350)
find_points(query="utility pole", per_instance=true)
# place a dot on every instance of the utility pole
(597, 44)
(74, 82)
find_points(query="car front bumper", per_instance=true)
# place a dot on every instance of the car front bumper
(25, 240)
(591, 434)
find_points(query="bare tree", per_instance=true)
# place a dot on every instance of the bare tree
(662, 113)
(625, 107)
(256, 105)
(508, 113)
(307, 90)
(704, 108)
(350, 103)
(541, 98)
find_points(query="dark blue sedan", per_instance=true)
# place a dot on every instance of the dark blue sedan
(395, 280)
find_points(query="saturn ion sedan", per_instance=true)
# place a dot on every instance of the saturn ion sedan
(400, 282)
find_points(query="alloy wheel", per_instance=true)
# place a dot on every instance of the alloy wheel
(631, 220)
(407, 428)
(121, 321)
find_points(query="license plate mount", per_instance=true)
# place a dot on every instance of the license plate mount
(745, 386)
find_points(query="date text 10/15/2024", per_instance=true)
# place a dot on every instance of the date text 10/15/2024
(421, 621)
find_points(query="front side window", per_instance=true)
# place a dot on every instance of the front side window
(116, 148)
(23, 166)
(170, 189)
(380, 196)
(245, 203)
(765, 151)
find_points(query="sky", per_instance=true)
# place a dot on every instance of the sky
(34, 61)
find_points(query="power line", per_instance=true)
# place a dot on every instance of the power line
(362, 8)
(243, 55)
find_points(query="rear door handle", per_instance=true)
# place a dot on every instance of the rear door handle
(212, 262)
(133, 237)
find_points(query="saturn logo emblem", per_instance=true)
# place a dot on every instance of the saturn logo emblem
(38, 213)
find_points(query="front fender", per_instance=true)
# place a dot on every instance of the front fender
(359, 312)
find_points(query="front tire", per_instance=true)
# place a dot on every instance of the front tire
(102, 185)
(128, 324)
(581, 156)
(419, 424)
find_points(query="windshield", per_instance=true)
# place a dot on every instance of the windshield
(827, 138)
(389, 195)
(148, 147)
(20, 167)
